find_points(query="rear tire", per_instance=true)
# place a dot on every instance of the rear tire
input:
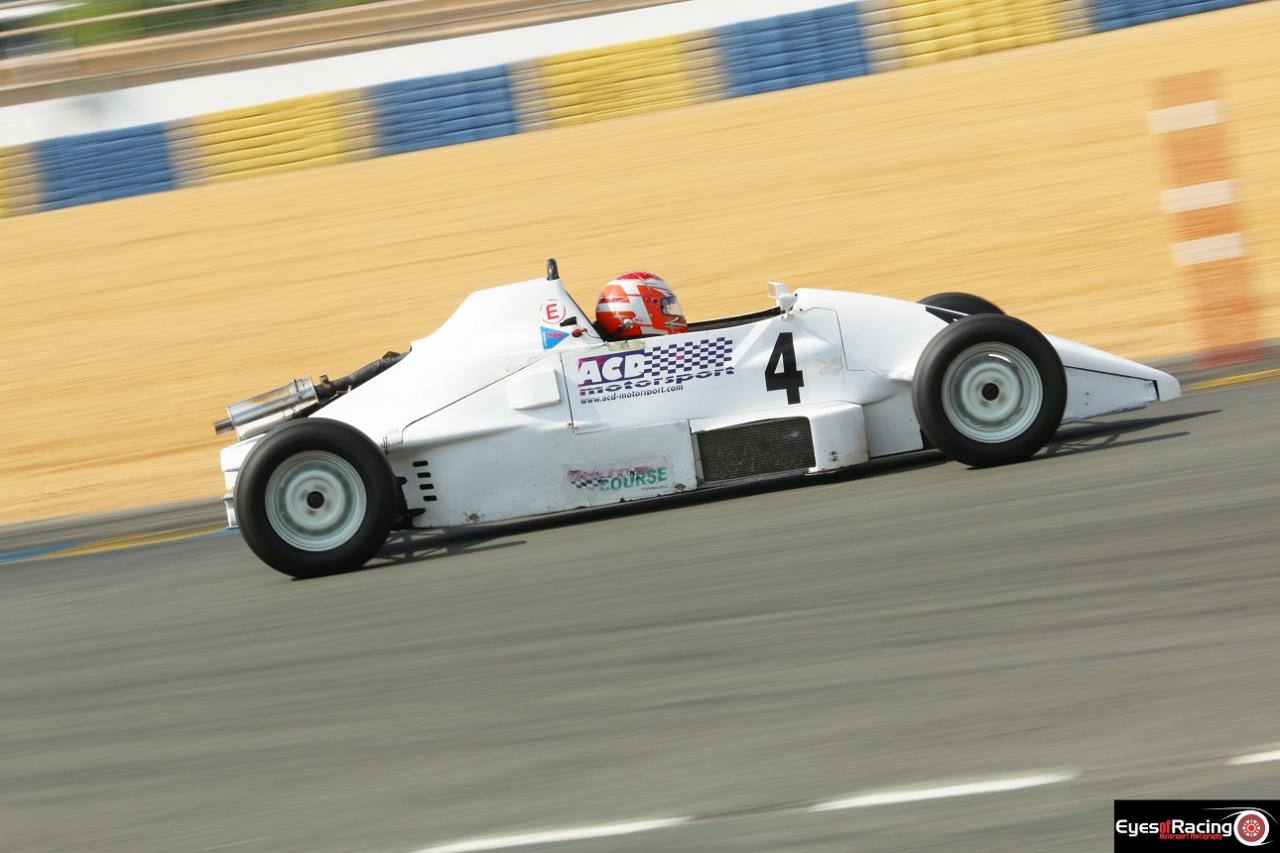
(989, 390)
(965, 303)
(315, 497)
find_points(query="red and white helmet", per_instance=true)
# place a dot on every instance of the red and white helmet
(636, 304)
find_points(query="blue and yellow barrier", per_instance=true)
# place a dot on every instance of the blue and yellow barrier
(792, 50)
(277, 137)
(621, 80)
(1114, 14)
(919, 32)
(799, 49)
(17, 181)
(103, 166)
(429, 112)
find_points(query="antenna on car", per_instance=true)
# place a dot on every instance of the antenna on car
(553, 272)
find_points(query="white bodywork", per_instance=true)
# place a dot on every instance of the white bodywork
(504, 413)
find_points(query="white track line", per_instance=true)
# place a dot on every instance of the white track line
(1206, 250)
(1185, 117)
(1198, 196)
(911, 795)
(1255, 758)
(552, 836)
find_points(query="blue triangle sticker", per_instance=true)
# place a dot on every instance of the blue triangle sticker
(551, 337)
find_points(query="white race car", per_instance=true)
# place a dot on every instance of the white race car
(516, 407)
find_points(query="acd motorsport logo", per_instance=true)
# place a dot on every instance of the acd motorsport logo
(657, 369)
(1173, 824)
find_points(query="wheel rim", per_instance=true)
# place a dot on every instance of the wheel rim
(992, 392)
(315, 500)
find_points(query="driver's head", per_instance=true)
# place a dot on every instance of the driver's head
(636, 304)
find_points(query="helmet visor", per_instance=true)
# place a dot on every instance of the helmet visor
(671, 306)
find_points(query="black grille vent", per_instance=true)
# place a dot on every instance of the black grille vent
(426, 489)
(755, 449)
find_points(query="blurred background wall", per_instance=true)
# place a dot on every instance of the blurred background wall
(155, 271)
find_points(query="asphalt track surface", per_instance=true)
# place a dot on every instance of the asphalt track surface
(1106, 612)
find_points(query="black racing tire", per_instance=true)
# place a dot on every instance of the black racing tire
(989, 390)
(965, 303)
(315, 497)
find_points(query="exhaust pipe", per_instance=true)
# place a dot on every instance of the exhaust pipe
(261, 412)
(300, 397)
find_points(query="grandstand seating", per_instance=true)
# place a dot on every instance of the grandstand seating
(739, 60)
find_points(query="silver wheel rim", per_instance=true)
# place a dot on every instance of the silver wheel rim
(315, 500)
(992, 392)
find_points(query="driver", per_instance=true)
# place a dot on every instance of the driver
(637, 304)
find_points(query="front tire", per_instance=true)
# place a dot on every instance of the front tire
(989, 390)
(315, 497)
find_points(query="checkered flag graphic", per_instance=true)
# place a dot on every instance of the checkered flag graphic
(689, 356)
(584, 479)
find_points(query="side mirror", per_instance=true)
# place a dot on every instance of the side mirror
(785, 298)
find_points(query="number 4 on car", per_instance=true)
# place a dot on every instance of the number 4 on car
(498, 415)
(780, 374)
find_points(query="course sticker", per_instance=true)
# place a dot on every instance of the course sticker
(641, 478)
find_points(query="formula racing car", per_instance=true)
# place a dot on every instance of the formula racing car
(517, 407)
